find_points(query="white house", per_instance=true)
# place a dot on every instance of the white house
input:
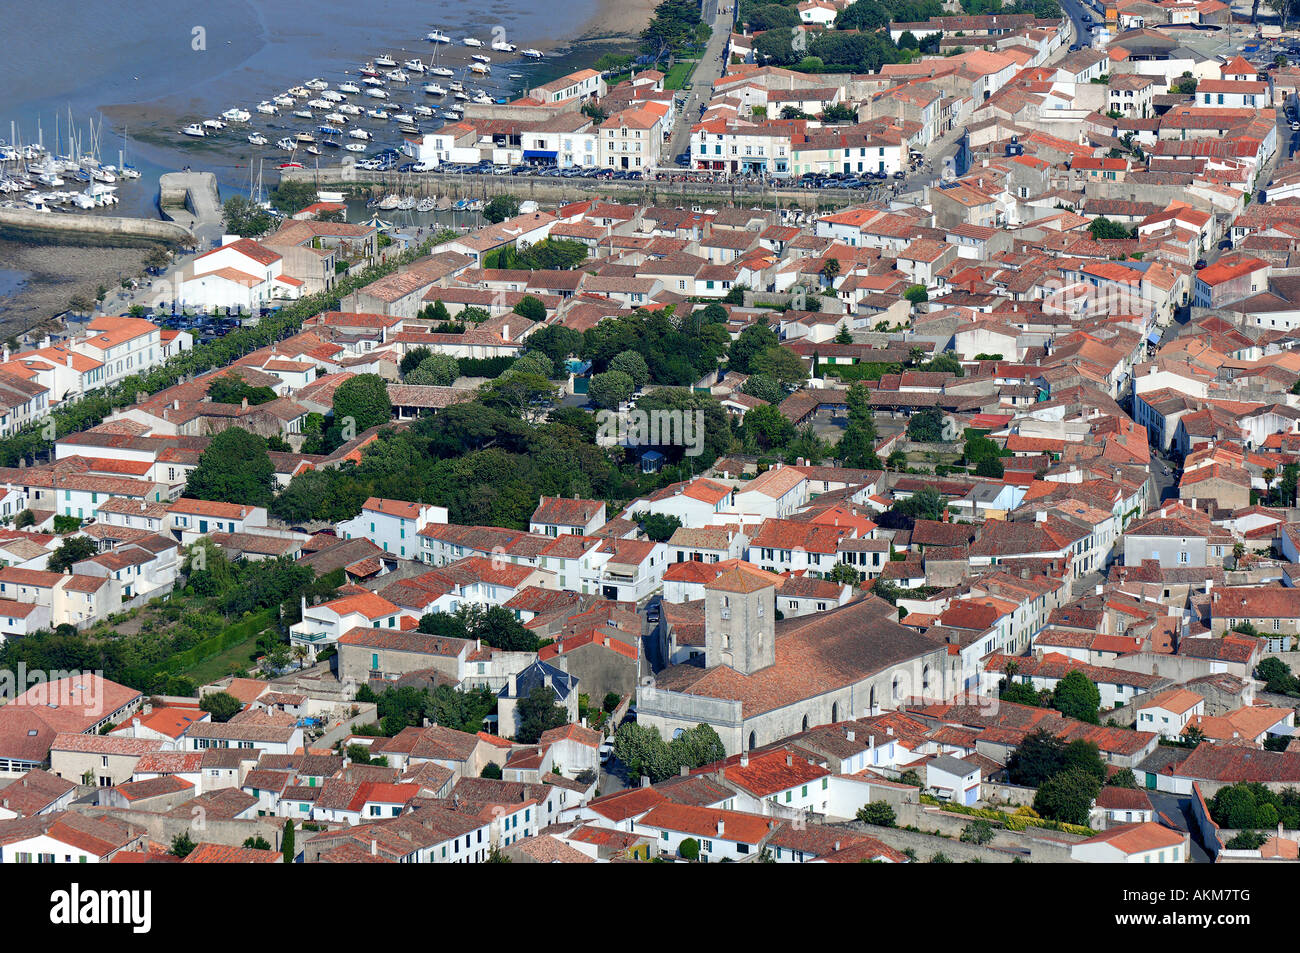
(392, 525)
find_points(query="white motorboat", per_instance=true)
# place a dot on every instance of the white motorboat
(390, 202)
(51, 179)
(359, 134)
(462, 95)
(415, 66)
(355, 147)
(287, 144)
(377, 113)
(433, 89)
(482, 98)
(422, 111)
(316, 84)
(442, 71)
(456, 86)
(385, 60)
(300, 92)
(370, 81)
(103, 175)
(406, 204)
(398, 76)
(332, 96)
(303, 113)
(349, 109)
(532, 54)
(437, 36)
(257, 139)
(337, 119)
(481, 58)
(426, 205)
(403, 117)
(319, 104)
(453, 112)
(216, 124)
(375, 93)
(283, 100)
(83, 201)
(313, 151)
(501, 46)
(516, 75)
(236, 115)
(267, 108)
(350, 88)
(195, 129)
(305, 138)
(472, 41)
(480, 69)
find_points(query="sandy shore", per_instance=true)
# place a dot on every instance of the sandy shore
(618, 19)
(56, 273)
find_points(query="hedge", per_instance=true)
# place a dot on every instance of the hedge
(1012, 822)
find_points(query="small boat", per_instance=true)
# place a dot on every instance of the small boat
(350, 110)
(313, 151)
(51, 179)
(409, 129)
(305, 137)
(287, 144)
(195, 129)
(257, 139)
(481, 58)
(441, 71)
(516, 75)
(422, 111)
(290, 165)
(373, 81)
(456, 86)
(532, 54)
(402, 117)
(414, 65)
(398, 76)
(390, 202)
(361, 134)
(216, 124)
(437, 36)
(329, 130)
(336, 119)
(377, 113)
(300, 92)
(127, 172)
(385, 60)
(472, 41)
(349, 88)
(375, 93)
(355, 147)
(482, 98)
(320, 104)
(368, 70)
(283, 100)
(501, 46)
(453, 112)
(426, 205)
(480, 69)
(267, 108)
(331, 143)
(332, 96)
(433, 89)
(316, 84)
(462, 95)
(303, 113)
(406, 204)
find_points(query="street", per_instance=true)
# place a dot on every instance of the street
(709, 69)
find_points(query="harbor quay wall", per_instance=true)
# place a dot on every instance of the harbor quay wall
(68, 229)
(555, 190)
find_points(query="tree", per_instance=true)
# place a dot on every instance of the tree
(245, 218)
(844, 335)
(157, 258)
(72, 550)
(182, 845)
(751, 342)
(610, 389)
(1036, 759)
(538, 713)
(689, 849)
(925, 504)
(1067, 797)
(1020, 693)
(780, 364)
(978, 831)
(222, 706)
(1123, 778)
(292, 197)
(991, 468)
(530, 308)
(440, 370)
(878, 813)
(633, 365)
(286, 842)
(764, 388)
(926, 426)
(235, 468)
(1077, 697)
(770, 428)
(491, 771)
(1102, 228)
(363, 399)
(230, 389)
(257, 842)
(844, 574)
(659, 527)
(857, 448)
(500, 208)
(917, 294)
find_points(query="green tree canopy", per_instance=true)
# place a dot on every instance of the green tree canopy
(235, 468)
(363, 399)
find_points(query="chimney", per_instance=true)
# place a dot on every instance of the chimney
(722, 827)
(1209, 584)
(645, 781)
(850, 734)
(837, 845)
(147, 709)
(1099, 588)
(890, 731)
(1040, 517)
(789, 759)
(374, 848)
(135, 723)
(514, 688)
(685, 771)
(243, 404)
(505, 332)
(744, 759)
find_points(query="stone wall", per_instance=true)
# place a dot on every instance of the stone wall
(66, 228)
